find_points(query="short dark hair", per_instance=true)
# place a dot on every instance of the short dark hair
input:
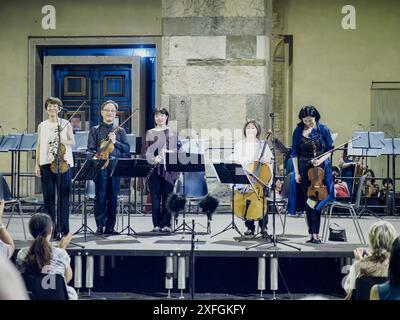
(387, 181)
(52, 100)
(372, 174)
(255, 123)
(394, 264)
(162, 111)
(335, 169)
(107, 102)
(309, 111)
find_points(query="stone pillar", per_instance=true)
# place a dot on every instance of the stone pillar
(215, 62)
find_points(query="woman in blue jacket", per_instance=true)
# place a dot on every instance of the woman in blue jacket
(310, 137)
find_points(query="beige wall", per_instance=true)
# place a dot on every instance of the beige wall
(333, 68)
(22, 19)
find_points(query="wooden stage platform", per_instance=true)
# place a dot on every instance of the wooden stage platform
(147, 249)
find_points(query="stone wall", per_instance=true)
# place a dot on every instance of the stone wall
(215, 64)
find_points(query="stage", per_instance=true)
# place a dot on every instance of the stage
(145, 255)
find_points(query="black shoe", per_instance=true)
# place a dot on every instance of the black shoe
(310, 240)
(317, 241)
(100, 231)
(111, 232)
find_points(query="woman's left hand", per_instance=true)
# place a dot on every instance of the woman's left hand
(316, 162)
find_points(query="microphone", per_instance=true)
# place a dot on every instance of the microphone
(272, 114)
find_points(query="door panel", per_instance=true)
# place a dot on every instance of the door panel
(94, 84)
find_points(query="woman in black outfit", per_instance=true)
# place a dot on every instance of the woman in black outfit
(310, 138)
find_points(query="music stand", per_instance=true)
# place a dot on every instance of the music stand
(370, 144)
(232, 173)
(184, 162)
(89, 171)
(128, 168)
(9, 143)
(80, 147)
(27, 143)
(391, 148)
(81, 139)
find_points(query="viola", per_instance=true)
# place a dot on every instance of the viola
(107, 146)
(317, 190)
(63, 164)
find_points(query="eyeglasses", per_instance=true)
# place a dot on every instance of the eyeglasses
(108, 110)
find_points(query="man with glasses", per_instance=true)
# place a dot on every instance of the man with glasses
(107, 187)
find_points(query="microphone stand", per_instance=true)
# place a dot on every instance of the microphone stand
(273, 238)
(58, 235)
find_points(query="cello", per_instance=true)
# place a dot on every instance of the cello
(250, 203)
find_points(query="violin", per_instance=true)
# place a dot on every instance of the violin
(63, 164)
(107, 146)
(250, 203)
(317, 190)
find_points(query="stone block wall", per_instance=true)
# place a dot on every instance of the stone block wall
(215, 63)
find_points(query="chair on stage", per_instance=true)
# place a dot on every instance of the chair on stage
(45, 286)
(364, 285)
(9, 201)
(353, 208)
(193, 186)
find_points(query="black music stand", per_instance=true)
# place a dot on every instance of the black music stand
(232, 173)
(13, 143)
(27, 143)
(8, 143)
(89, 171)
(391, 148)
(80, 147)
(184, 162)
(130, 168)
(370, 144)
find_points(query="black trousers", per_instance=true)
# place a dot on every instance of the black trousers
(313, 216)
(50, 185)
(105, 205)
(160, 190)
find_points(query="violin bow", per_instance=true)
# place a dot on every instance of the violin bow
(338, 147)
(75, 112)
(120, 126)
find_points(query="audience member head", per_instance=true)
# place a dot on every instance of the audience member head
(370, 174)
(381, 236)
(394, 264)
(387, 182)
(39, 254)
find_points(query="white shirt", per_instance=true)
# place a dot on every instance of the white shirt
(247, 151)
(48, 137)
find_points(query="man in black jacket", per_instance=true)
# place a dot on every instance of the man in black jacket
(107, 188)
